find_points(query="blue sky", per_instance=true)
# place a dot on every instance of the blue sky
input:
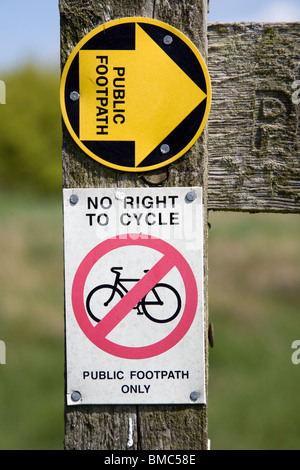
(254, 10)
(29, 29)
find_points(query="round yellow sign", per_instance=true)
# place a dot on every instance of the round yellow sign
(135, 94)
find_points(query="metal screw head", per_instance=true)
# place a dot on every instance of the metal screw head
(191, 196)
(168, 40)
(74, 96)
(76, 396)
(165, 148)
(74, 199)
(119, 196)
(194, 396)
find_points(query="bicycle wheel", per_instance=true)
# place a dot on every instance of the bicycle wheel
(166, 308)
(99, 300)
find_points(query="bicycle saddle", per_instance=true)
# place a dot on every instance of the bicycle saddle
(116, 270)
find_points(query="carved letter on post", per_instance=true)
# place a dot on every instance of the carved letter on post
(272, 110)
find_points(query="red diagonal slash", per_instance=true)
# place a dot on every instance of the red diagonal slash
(134, 296)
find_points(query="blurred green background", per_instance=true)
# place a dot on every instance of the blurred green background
(254, 295)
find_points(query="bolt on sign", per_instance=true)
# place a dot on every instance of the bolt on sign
(135, 94)
(134, 296)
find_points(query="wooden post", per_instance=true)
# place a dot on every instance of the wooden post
(135, 427)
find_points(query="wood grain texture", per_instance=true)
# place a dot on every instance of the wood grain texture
(254, 148)
(154, 427)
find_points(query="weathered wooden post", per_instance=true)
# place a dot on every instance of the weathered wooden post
(136, 427)
(255, 169)
(2, 92)
(254, 160)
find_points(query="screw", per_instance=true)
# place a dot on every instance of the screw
(191, 196)
(165, 148)
(194, 396)
(76, 396)
(74, 95)
(74, 199)
(168, 40)
(211, 335)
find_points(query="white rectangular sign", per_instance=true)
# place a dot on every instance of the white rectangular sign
(134, 296)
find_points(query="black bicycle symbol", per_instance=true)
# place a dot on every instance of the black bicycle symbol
(150, 306)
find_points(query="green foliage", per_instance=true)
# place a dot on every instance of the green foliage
(30, 132)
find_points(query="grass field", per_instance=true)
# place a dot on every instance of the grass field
(254, 292)
(31, 324)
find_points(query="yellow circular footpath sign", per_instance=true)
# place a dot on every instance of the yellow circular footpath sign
(135, 94)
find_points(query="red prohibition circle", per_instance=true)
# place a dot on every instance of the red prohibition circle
(97, 334)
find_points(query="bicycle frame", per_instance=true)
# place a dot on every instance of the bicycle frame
(118, 285)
